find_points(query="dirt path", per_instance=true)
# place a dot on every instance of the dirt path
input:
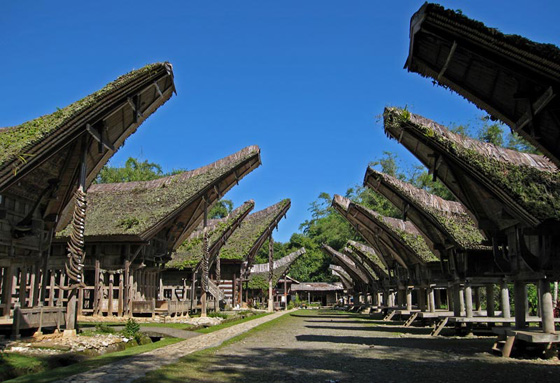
(329, 347)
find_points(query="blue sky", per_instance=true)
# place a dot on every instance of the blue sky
(304, 80)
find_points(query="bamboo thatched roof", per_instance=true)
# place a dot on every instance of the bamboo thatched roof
(259, 272)
(343, 260)
(526, 186)
(339, 272)
(512, 78)
(254, 231)
(369, 255)
(48, 149)
(442, 222)
(372, 274)
(317, 286)
(140, 210)
(400, 232)
(190, 254)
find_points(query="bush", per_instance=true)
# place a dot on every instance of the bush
(131, 329)
(103, 328)
(290, 305)
(218, 315)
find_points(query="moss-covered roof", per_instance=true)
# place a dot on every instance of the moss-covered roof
(17, 142)
(544, 51)
(131, 208)
(529, 179)
(453, 217)
(258, 279)
(241, 243)
(348, 264)
(189, 254)
(368, 252)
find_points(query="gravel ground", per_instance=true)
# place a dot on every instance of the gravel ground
(314, 346)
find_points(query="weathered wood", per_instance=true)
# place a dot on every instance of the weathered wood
(469, 301)
(431, 300)
(110, 294)
(490, 300)
(520, 298)
(409, 298)
(270, 273)
(7, 288)
(23, 286)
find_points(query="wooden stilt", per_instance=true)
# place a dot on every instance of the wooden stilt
(431, 300)
(23, 286)
(490, 300)
(121, 296)
(270, 273)
(469, 301)
(7, 290)
(520, 298)
(51, 287)
(110, 294)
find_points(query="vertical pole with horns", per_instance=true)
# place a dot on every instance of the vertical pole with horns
(205, 255)
(75, 262)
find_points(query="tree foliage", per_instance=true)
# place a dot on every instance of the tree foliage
(133, 170)
(221, 209)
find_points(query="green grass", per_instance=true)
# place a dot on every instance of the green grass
(195, 366)
(229, 323)
(63, 372)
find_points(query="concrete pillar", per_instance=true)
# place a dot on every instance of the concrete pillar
(546, 306)
(469, 301)
(504, 298)
(520, 297)
(431, 300)
(409, 299)
(490, 300)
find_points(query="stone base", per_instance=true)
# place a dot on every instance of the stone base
(69, 334)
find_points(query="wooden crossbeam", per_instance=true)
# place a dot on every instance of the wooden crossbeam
(534, 109)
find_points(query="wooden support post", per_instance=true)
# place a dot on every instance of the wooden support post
(270, 273)
(456, 300)
(23, 286)
(490, 300)
(409, 298)
(431, 300)
(520, 298)
(80, 301)
(504, 295)
(110, 294)
(127, 286)
(422, 299)
(477, 305)
(121, 296)
(462, 298)
(218, 280)
(469, 301)
(546, 304)
(7, 288)
(32, 277)
(51, 287)
(96, 297)
(60, 289)
(286, 293)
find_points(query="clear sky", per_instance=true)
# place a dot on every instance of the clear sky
(305, 80)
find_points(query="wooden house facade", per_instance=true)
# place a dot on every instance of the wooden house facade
(132, 229)
(46, 166)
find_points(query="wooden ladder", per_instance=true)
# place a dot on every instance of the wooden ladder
(412, 318)
(439, 326)
(389, 315)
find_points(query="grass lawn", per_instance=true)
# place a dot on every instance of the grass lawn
(229, 323)
(195, 366)
(53, 374)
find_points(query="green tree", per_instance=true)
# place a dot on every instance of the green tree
(221, 209)
(133, 170)
(491, 132)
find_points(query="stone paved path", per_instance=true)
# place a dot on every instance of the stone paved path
(321, 346)
(137, 366)
(165, 331)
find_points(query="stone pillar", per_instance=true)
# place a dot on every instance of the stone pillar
(469, 301)
(546, 306)
(462, 298)
(409, 299)
(490, 300)
(504, 297)
(431, 300)
(520, 297)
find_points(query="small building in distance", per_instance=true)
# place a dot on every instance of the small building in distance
(324, 293)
